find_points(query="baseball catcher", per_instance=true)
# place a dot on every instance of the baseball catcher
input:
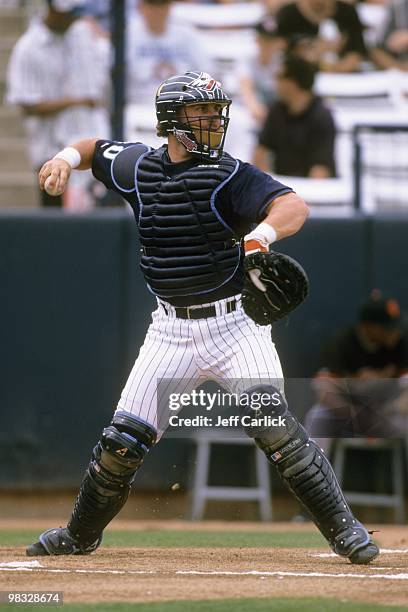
(218, 288)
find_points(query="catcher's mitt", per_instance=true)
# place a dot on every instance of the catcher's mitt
(286, 286)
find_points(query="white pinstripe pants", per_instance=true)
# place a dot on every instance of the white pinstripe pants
(226, 348)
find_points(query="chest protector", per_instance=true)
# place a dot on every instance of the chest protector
(187, 248)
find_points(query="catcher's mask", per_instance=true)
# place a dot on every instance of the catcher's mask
(200, 135)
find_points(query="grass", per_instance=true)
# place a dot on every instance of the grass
(223, 605)
(171, 538)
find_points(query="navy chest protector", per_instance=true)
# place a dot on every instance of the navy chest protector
(187, 248)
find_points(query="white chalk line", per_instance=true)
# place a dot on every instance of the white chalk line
(35, 566)
(294, 574)
(32, 566)
(383, 551)
(21, 564)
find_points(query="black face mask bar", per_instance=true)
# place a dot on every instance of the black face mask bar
(204, 135)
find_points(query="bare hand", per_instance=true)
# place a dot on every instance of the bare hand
(398, 41)
(59, 172)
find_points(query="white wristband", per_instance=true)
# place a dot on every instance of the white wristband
(71, 155)
(263, 233)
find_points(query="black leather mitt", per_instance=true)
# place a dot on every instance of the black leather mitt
(286, 286)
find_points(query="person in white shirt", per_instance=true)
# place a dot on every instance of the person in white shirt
(158, 47)
(58, 73)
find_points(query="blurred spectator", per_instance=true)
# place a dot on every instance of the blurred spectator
(58, 75)
(258, 75)
(99, 12)
(158, 48)
(361, 386)
(328, 32)
(299, 130)
(392, 52)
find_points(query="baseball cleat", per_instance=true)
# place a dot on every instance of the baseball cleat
(362, 556)
(60, 542)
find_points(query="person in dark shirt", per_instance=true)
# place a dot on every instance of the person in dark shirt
(333, 29)
(299, 130)
(361, 386)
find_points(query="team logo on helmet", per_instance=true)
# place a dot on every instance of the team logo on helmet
(185, 140)
(206, 82)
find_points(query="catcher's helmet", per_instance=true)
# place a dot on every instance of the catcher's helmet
(199, 137)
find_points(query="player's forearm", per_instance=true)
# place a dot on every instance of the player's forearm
(287, 214)
(55, 173)
(86, 149)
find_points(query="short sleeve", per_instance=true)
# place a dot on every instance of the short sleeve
(253, 190)
(114, 164)
(244, 200)
(352, 27)
(290, 21)
(284, 20)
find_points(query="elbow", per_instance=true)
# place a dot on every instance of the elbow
(302, 211)
(304, 208)
(299, 213)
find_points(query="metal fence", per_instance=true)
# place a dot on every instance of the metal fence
(381, 168)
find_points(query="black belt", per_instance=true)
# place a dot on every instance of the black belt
(206, 312)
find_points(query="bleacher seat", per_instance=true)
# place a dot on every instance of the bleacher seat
(203, 490)
(394, 499)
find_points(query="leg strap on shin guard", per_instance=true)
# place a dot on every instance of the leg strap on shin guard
(310, 477)
(106, 485)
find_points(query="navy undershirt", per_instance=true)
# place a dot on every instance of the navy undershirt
(241, 202)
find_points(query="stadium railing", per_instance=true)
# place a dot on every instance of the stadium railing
(381, 167)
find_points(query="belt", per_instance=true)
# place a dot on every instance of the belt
(206, 312)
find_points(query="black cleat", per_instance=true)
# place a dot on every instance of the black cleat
(352, 540)
(60, 542)
(36, 550)
(362, 556)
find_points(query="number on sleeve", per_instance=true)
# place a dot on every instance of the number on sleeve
(112, 151)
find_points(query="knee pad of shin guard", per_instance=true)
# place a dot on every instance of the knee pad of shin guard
(270, 423)
(260, 406)
(123, 446)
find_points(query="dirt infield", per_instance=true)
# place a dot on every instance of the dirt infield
(190, 573)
